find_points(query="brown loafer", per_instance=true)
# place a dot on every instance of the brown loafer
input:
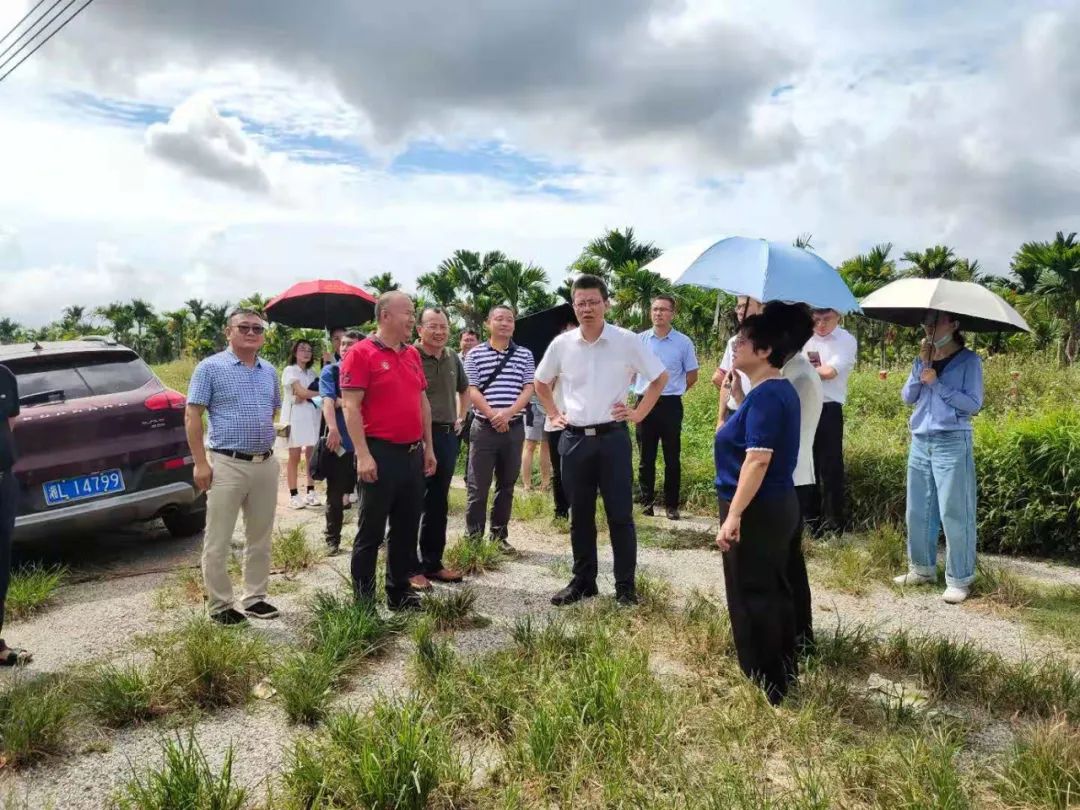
(446, 575)
(419, 583)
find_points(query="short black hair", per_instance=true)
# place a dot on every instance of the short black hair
(244, 311)
(435, 309)
(587, 281)
(765, 333)
(794, 322)
(497, 307)
(472, 332)
(666, 297)
(331, 329)
(352, 334)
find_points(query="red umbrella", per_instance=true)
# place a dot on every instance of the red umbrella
(322, 304)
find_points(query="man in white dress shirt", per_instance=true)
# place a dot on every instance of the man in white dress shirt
(732, 384)
(832, 351)
(593, 364)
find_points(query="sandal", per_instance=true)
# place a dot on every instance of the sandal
(13, 656)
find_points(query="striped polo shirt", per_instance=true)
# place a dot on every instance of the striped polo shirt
(515, 375)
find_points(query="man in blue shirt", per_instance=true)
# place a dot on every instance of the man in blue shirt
(663, 425)
(239, 393)
(339, 466)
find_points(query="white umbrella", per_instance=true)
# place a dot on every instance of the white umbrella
(906, 302)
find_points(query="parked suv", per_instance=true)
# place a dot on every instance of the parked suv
(101, 441)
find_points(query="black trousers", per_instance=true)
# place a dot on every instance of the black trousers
(600, 463)
(340, 474)
(797, 576)
(759, 593)
(9, 496)
(396, 495)
(493, 456)
(436, 501)
(827, 511)
(558, 491)
(663, 426)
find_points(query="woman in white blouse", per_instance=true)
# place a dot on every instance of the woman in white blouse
(300, 412)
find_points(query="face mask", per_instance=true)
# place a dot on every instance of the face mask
(943, 341)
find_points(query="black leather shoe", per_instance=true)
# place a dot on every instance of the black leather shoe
(573, 593)
(408, 602)
(626, 597)
(648, 511)
(672, 513)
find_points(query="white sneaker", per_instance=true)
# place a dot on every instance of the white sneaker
(311, 499)
(296, 502)
(954, 595)
(911, 578)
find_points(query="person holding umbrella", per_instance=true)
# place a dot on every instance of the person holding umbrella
(946, 388)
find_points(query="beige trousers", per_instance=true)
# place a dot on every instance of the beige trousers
(251, 487)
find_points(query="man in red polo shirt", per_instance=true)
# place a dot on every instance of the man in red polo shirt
(389, 420)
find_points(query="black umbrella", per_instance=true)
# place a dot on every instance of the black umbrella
(535, 332)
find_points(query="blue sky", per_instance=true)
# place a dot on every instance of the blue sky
(174, 141)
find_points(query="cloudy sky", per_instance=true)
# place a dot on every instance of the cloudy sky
(209, 149)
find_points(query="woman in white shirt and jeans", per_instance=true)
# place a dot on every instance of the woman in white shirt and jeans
(300, 411)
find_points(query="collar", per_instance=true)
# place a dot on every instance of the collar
(509, 347)
(236, 361)
(423, 352)
(671, 333)
(374, 338)
(604, 335)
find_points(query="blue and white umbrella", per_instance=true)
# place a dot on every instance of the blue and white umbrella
(767, 271)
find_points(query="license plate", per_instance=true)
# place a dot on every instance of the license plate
(83, 487)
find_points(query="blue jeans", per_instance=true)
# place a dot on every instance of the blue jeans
(941, 492)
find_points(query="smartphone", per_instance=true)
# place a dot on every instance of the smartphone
(340, 451)
(814, 357)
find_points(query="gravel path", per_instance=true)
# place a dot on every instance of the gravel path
(101, 619)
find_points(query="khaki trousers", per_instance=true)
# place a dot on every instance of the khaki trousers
(250, 486)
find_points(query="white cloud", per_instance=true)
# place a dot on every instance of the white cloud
(199, 140)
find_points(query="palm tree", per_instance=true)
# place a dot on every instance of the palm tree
(177, 320)
(537, 299)
(803, 241)
(383, 283)
(863, 274)
(120, 318)
(1058, 285)
(141, 312)
(470, 273)
(255, 301)
(613, 250)
(9, 330)
(511, 281)
(939, 261)
(72, 320)
(440, 287)
(635, 290)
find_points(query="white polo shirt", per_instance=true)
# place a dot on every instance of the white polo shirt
(593, 377)
(838, 349)
(807, 383)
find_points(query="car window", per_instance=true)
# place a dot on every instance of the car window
(81, 376)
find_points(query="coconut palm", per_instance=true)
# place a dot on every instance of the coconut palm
(1058, 285)
(615, 249)
(440, 287)
(939, 261)
(120, 319)
(470, 273)
(510, 281)
(383, 283)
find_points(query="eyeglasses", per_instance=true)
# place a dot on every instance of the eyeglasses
(249, 329)
(590, 304)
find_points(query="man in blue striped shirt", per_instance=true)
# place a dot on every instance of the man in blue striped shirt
(500, 386)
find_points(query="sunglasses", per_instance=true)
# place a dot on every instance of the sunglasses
(249, 329)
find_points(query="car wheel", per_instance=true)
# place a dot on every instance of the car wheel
(184, 523)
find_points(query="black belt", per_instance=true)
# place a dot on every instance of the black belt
(595, 430)
(408, 447)
(442, 427)
(243, 456)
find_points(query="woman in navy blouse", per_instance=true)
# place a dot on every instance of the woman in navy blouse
(756, 452)
(946, 388)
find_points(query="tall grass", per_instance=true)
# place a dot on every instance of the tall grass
(185, 781)
(1043, 769)
(119, 695)
(32, 588)
(35, 715)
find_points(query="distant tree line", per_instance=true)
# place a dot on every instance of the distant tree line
(1043, 282)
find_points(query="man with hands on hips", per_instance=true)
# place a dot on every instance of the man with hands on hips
(592, 365)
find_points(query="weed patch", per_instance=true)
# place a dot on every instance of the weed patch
(304, 681)
(118, 696)
(34, 719)
(183, 587)
(290, 551)
(653, 536)
(344, 630)
(32, 588)
(452, 609)
(1043, 768)
(474, 555)
(184, 780)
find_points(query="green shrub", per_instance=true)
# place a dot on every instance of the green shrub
(185, 781)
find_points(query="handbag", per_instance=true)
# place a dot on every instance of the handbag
(471, 415)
